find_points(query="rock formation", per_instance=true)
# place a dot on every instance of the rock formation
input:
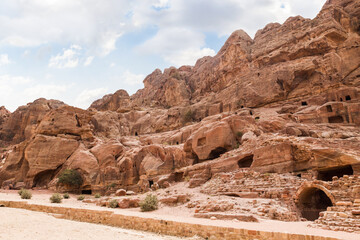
(287, 101)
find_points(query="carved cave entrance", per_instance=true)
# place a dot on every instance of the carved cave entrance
(216, 153)
(86, 191)
(246, 161)
(312, 201)
(327, 175)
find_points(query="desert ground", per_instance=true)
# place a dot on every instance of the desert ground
(19, 223)
(23, 224)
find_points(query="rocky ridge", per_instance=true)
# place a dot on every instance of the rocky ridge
(286, 101)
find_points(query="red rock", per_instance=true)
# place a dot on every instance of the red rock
(120, 192)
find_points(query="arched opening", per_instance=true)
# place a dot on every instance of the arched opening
(347, 98)
(86, 191)
(43, 178)
(216, 153)
(304, 104)
(246, 161)
(312, 201)
(327, 175)
(136, 134)
(341, 99)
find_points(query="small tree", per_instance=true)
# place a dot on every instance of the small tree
(71, 177)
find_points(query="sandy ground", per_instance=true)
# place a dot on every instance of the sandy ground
(23, 224)
(179, 214)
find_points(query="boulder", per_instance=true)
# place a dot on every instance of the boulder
(120, 192)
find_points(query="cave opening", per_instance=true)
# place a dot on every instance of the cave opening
(43, 178)
(347, 98)
(86, 191)
(327, 175)
(151, 182)
(136, 134)
(179, 176)
(216, 153)
(304, 103)
(312, 201)
(246, 161)
(336, 119)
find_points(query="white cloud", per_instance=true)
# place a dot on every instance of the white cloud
(93, 24)
(88, 60)
(178, 46)
(107, 43)
(9, 90)
(49, 91)
(132, 79)
(222, 16)
(112, 65)
(4, 59)
(86, 97)
(14, 80)
(188, 56)
(161, 3)
(69, 58)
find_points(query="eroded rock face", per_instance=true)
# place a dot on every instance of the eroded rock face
(44, 155)
(285, 101)
(119, 101)
(21, 124)
(67, 121)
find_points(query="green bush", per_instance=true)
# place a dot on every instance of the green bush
(55, 198)
(81, 197)
(66, 196)
(150, 203)
(97, 195)
(26, 194)
(239, 134)
(20, 191)
(71, 177)
(113, 203)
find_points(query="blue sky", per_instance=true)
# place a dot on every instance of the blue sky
(77, 51)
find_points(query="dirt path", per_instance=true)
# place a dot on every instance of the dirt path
(23, 224)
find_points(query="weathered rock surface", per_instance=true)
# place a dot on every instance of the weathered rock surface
(285, 101)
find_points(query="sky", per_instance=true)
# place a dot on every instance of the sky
(77, 51)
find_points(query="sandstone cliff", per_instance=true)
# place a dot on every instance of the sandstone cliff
(285, 101)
